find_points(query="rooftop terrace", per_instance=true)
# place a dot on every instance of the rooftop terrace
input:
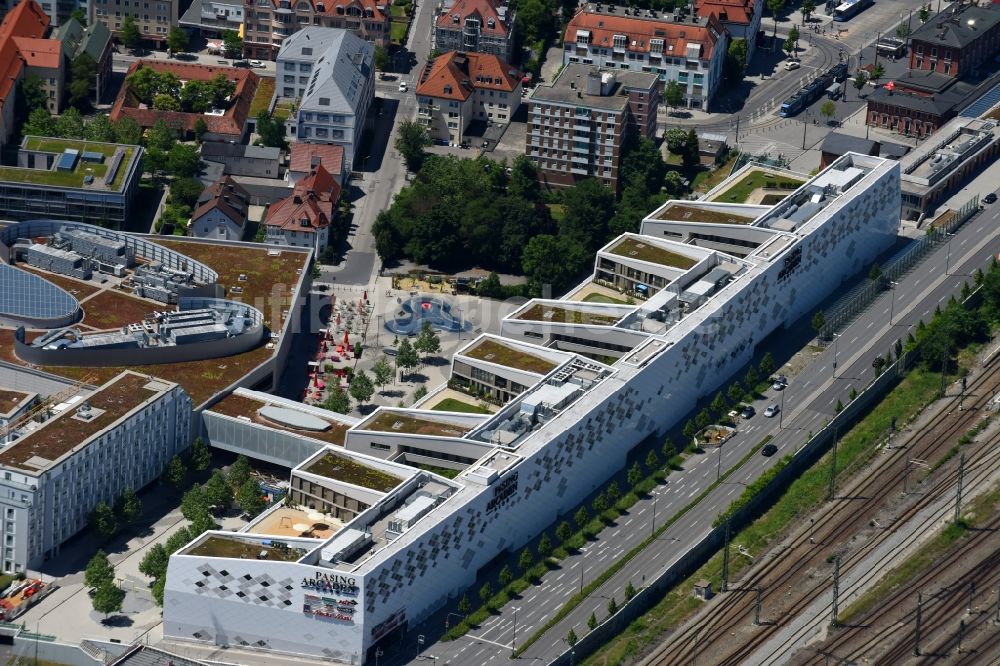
(243, 406)
(634, 248)
(757, 179)
(226, 546)
(292, 522)
(82, 167)
(494, 351)
(412, 424)
(560, 315)
(61, 434)
(682, 213)
(342, 468)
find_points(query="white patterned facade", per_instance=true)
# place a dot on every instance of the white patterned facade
(546, 449)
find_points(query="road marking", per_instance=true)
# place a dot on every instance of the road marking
(692, 492)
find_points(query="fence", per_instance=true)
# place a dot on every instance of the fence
(855, 301)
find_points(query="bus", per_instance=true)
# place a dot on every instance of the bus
(849, 9)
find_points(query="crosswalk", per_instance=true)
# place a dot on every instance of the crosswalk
(765, 145)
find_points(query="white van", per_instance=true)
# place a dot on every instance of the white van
(834, 91)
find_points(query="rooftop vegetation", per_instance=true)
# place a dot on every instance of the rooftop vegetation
(341, 468)
(682, 213)
(560, 315)
(224, 546)
(239, 405)
(410, 424)
(634, 248)
(262, 98)
(740, 191)
(496, 352)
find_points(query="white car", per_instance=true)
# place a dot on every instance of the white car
(771, 411)
(257, 64)
(402, 86)
(791, 64)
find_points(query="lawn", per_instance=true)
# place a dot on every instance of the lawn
(113, 309)
(398, 12)
(340, 468)
(453, 405)
(42, 177)
(601, 298)
(217, 546)
(756, 179)
(413, 424)
(52, 145)
(397, 31)
(494, 351)
(262, 98)
(682, 213)
(557, 315)
(644, 251)
(706, 179)
(440, 471)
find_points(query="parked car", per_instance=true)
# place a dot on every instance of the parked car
(747, 412)
(769, 450)
(257, 64)
(402, 86)
(790, 65)
(779, 383)
(771, 411)
(990, 198)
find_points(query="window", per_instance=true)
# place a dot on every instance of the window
(321, 132)
(620, 41)
(380, 447)
(289, 66)
(324, 101)
(656, 46)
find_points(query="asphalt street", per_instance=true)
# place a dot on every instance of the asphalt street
(808, 402)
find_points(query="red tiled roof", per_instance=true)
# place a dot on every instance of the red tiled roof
(379, 10)
(305, 156)
(26, 19)
(40, 52)
(228, 196)
(485, 9)
(230, 123)
(310, 208)
(727, 11)
(455, 75)
(675, 36)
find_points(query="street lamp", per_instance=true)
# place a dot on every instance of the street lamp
(378, 653)
(892, 303)
(718, 469)
(781, 410)
(513, 638)
(947, 261)
(836, 344)
(652, 526)
(461, 322)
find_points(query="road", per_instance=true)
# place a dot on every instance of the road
(808, 402)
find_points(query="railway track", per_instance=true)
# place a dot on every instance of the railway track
(867, 493)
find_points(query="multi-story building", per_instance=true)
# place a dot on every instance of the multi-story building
(304, 218)
(94, 447)
(957, 42)
(305, 157)
(478, 26)
(221, 211)
(43, 59)
(238, 159)
(368, 548)
(211, 18)
(683, 48)
(154, 19)
(740, 18)
(269, 22)
(24, 21)
(330, 72)
(95, 41)
(60, 179)
(458, 88)
(578, 125)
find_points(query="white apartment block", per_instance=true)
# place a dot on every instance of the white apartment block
(154, 18)
(367, 550)
(94, 447)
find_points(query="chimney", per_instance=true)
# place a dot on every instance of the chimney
(297, 199)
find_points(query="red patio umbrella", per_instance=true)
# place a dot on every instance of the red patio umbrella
(366, 296)
(347, 339)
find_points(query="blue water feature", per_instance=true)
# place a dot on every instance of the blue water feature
(410, 318)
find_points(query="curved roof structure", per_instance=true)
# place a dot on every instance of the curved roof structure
(26, 298)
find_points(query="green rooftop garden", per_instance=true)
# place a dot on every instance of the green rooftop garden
(757, 179)
(56, 145)
(558, 315)
(344, 469)
(220, 546)
(69, 178)
(501, 354)
(682, 213)
(455, 405)
(262, 98)
(413, 425)
(634, 248)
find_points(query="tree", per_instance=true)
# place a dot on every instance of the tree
(183, 160)
(571, 638)
(406, 356)
(876, 73)
(689, 430)
(217, 491)
(464, 607)
(613, 493)
(564, 532)
(249, 498)
(525, 560)
(382, 371)
(735, 62)
(505, 577)
(128, 131)
(486, 593)
(581, 517)
(924, 14)
(718, 405)
(381, 58)
(789, 45)
(775, 6)
(600, 503)
(176, 473)
(828, 109)
(807, 8)
(767, 365)
(80, 16)
(735, 392)
(592, 621)
(201, 456)
(428, 342)
(361, 387)
(232, 44)
(691, 148)
(129, 506)
(903, 30)
(202, 522)
(553, 262)
(239, 472)
(100, 128)
(186, 191)
(411, 141)
(70, 125)
(154, 562)
(652, 461)
(702, 418)
(157, 589)
(338, 401)
(839, 407)
(634, 475)
(160, 136)
(589, 205)
(673, 95)
(33, 94)
(39, 123)
(544, 546)
(751, 379)
(103, 520)
(612, 606)
(675, 138)
(99, 571)
(874, 273)
(523, 180)
(108, 598)
(200, 128)
(177, 40)
(629, 591)
(818, 321)
(270, 130)
(178, 540)
(194, 502)
(129, 33)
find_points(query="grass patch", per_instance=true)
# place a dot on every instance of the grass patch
(756, 179)
(446, 472)
(557, 211)
(854, 450)
(601, 298)
(454, 405)
(397, 31)
(706, 179)
(53, 145)
(634, 248)
(262, 98)
(398, 11)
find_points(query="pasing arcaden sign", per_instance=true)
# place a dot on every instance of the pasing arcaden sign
(331, 583)
(502, 492)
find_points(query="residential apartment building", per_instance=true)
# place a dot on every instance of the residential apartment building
(43, 59)
(94, 447)
(476, 26)
(94, 40)
(957, 42)
(307, 156)
(221, 211)
(304, 218)
(238, 159)
(211, 18)
(578, 125)
(269, 22)
(154, 18)
(740, 18)
(330, 72)
(456, 89)
(683, 48)
(26, 21)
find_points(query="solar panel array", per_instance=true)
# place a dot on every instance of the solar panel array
(24, 294)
